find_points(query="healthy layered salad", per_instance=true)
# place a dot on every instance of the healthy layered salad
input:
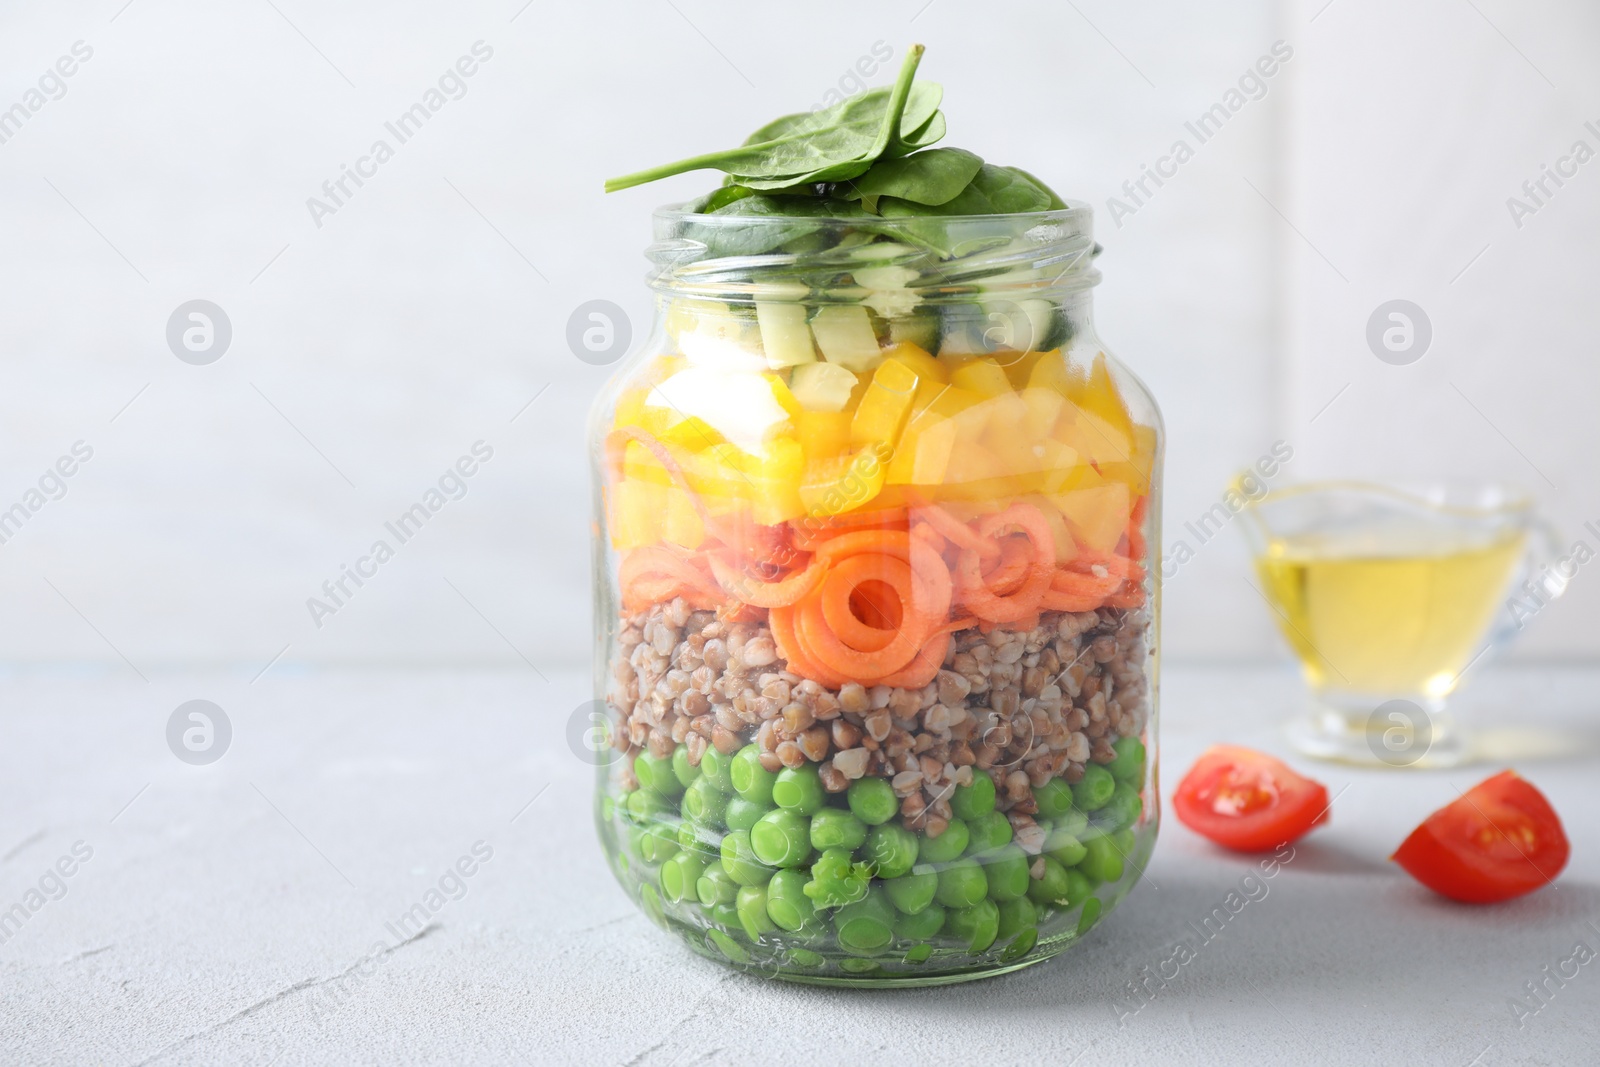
(877, 618)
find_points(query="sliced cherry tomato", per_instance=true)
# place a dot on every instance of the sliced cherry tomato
(1247, 800)
(1500, 840)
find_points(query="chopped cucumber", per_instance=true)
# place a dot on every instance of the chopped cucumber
(784, 335)
(999, 323)
(880, 250)
(845, 335)
(822, 386)
(886, 277)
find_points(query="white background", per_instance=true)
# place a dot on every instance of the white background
(368, 354)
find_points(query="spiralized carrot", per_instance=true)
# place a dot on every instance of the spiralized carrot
(924, 666)
(763, 594)
(896, 543)
(1085, 585)
(651, 575)
(842, 584)
(781, 621)
(957, 532)
(983, 601)
(1016, 559)
(1136, 539)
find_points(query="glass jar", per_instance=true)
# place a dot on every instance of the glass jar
(875, 611)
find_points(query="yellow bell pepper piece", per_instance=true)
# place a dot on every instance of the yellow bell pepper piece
(842, 483)
(781, 393)
(640, 464)
(883, 409)
(1042, 410)
(1097, 517)
(983, 376)
(926, 366)
(1051, 371)
(692, 433)
(923, 457)
(681, 523)
(634, 513)
(1099, 395)
(630, 406)
(823, 433)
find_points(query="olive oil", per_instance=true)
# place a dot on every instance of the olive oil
(1391, 607)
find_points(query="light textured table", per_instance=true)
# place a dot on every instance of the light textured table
(228, 914)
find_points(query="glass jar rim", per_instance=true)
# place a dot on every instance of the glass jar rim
(953, 258)
(1073, 211)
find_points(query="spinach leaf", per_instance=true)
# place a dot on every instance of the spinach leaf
(835, 144)
(928, 133)
(800, 217)
(931, 177)
(921, 114)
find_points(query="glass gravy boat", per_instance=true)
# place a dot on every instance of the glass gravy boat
(1388, 595)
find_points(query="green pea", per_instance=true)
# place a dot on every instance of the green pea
(804, 957)
(657, 842)
(1020, 945)
(872, 800)
(657, 774)
(1091, 914)
(921, 925)
(866, 925)
(1128, 765)
(913, 892)
(977, 925)
(919, 953)
(962, 884)
(650, 901)
(1122, 810)
(799, 789)
(679, 875)
(646, 804)
(725, 915)
(751, 904)
(837, 828)
(781, 838)
(715, 886)
(1016, 915)
(1125, 841)
(1072, 822)
(740, 861)
(988, 832)
(1064, 848)
(1054, 799)
(751, 780)
(742, 814)
(714, 768)
(703, 803)
(971, 801)
(1051, 886)
(693, 841)
(1094, 788)
(836, 879)
(1006, 869)
(681, 770)
(947, 846)
(1102, 861)
(608, 808)
(1078, 888)
(787, 903)
(856, 965)
(891, 850)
